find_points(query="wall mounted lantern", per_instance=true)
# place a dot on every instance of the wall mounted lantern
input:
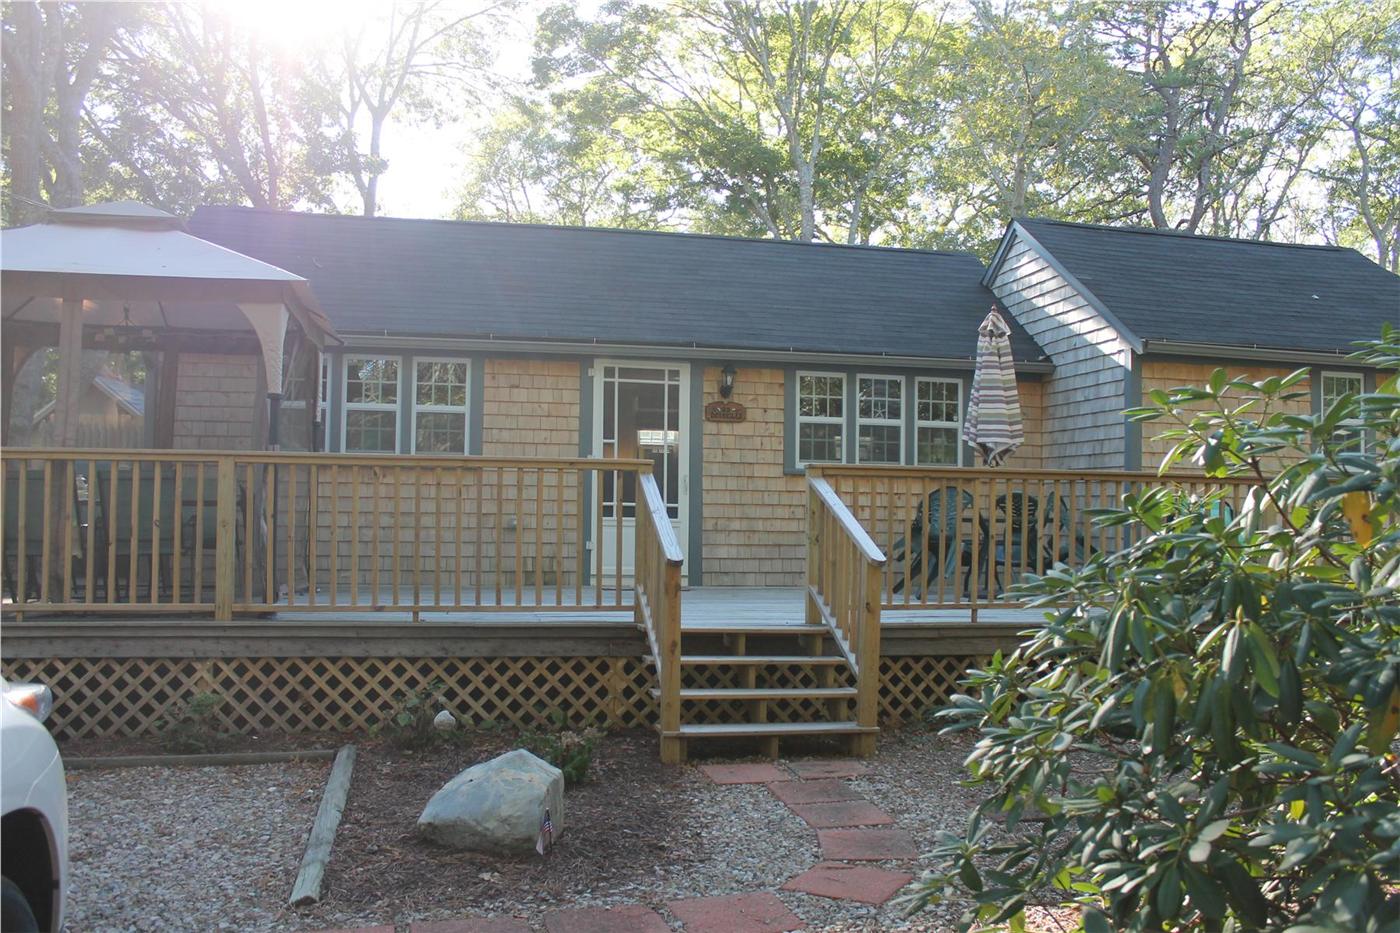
(726, 380)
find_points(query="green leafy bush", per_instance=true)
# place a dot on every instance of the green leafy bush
(569, 750)
(410, 726)
(194, 729)
(1204, 728)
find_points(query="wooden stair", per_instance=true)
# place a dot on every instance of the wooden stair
(793, 693)
(775, 729)
(772, 680)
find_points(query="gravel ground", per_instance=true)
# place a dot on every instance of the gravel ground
(188, 848)
(707, 840)
(218, 848)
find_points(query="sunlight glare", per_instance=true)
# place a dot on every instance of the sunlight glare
(289, 24)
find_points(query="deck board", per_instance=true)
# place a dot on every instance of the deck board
(512, 632)
(703, 605)
(710, 606)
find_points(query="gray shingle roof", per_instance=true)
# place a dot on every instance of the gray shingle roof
(426, 278)
(1166, 285)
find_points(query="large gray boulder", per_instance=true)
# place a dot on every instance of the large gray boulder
(497, 806)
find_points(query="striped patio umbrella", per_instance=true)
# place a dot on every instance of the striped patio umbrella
(993, 422)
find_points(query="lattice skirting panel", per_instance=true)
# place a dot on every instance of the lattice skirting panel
(108, 697)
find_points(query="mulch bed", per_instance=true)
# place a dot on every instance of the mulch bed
(619, 824)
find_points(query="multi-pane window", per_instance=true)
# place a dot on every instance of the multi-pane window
(439, 406)
(937, 416)
(879, 419)
(821, 414)
(1334, 386)
(371, 405)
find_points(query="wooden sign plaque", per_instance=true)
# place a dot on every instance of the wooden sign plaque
(726, 410)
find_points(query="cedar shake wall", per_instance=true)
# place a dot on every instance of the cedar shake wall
(754, 522)
(530, 408)
(215, 402)
(1083, 399)
(1030, 455)
(1167, 374)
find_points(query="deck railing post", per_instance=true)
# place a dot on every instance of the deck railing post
(672, 745)
(868, 662)
(226, 547)
(814, 556)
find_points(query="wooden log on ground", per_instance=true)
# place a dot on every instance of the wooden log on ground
(217, 759)
(307, 889)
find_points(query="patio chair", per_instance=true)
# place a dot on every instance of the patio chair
(935, 530)
(1019, 533)
(1038, 535)
(1073, 548)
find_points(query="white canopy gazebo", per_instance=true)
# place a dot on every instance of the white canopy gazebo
(124, 275)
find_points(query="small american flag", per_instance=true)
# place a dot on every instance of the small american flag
(546, 836)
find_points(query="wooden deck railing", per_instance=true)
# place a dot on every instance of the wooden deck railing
(960, 537)
(658, 607)
(844, 570)
(170, 531)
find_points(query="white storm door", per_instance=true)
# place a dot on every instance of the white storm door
(640, 413)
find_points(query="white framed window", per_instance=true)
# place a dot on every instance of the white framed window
(821, 417)
(879, 419)
(1333, 386)
(440, 410)
(370, 423)
(937, 422)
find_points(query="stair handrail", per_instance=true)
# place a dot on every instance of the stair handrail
(845, 569)
(657, 587)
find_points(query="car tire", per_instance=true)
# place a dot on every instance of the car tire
(15, 912)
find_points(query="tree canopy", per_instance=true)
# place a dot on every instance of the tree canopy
(902, 122)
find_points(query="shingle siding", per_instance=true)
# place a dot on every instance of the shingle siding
(530, 408)
(215, 402)
(1167, 374)
(754, 514)
(1082, 402)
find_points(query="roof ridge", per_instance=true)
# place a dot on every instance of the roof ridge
(584, 229)
(1182, 234)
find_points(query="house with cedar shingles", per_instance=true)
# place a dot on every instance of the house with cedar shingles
(565, 341)
(711, 483)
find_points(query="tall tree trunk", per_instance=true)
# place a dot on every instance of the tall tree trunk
(24, 123)
(807, 202)
(376, 134)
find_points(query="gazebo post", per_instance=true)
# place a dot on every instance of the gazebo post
(70, 366)
(13, 356)
(61, 492)
(274, 419)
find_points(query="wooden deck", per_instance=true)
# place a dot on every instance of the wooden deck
(702, 606)
(486, 633)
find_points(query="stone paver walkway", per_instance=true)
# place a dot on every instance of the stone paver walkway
(841, 881)
(471, 925)
(737, 913)
(850, 829)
